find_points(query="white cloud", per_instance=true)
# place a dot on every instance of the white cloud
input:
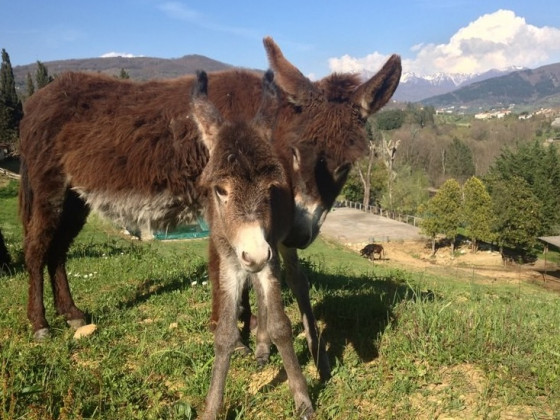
(348, 64)
(177, 10)
(493, 41)
(118, 54)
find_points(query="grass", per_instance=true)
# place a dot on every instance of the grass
(403, 344)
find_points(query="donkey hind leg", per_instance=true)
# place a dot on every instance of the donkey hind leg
(72, 220)
(40, 228)
(278, 324)
(297, 281)
(262, 350)
(226, 336)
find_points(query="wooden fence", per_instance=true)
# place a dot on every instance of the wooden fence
(405, 218)
(9, 174)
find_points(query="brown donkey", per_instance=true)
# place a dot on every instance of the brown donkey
(249, 212)
(319, 134)
(129, 150)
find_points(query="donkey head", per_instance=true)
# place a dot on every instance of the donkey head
(325, 133)
(250, 207)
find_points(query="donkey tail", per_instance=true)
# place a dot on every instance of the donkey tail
(25, 195)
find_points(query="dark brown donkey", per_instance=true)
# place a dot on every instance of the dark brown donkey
(249, 212)
(129, 151)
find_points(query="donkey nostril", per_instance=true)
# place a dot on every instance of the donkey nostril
(245, 257)
(269, 256)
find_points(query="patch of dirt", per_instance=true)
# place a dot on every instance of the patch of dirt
(462, 393)
(486, 265)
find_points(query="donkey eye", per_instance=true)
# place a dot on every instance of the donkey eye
(221, 192)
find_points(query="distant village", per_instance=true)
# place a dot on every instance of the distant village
(503, 112)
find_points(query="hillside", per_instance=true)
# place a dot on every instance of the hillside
(527, 89)
(415, 88)
(139, 68)
(523, 89)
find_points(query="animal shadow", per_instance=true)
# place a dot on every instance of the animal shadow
(356, 310)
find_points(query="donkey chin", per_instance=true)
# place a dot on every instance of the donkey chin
(306, 227)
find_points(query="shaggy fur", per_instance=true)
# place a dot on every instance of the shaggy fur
(249, 212)
(370, 250)
(131, 151)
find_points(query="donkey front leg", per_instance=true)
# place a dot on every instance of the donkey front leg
(279, 328)
(297, 281)
(225, 339)
(214, 275)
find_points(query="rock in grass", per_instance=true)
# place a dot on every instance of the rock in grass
(85, 331)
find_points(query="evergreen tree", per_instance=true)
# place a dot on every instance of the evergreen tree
(442, 214)
(539, 167)
(123, 74)
(517, 213)
(11, 110)
(429, 225)
(477, 212)
(390, 119)
(30, 87)
(42, 75)
(458, 160)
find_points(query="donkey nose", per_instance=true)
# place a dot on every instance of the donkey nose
(256, 260)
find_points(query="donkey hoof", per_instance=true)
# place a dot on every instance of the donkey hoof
(41, 334)
(262, 360)
(75, 323)
(242, 349)
(307, 414)
(262, 354)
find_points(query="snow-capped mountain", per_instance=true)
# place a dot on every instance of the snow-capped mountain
(414, 87)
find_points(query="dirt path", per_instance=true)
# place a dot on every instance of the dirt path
(405, 247)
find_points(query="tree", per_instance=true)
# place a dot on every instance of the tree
(11, 110)
(539, 167)
(389, 150)
(29, 86)
(353, 189)
(409, 191)
(442, 214)
(517, 213)
(42, 75)
(421, 116)
(390, 119)
(458, 160)
(364, 171)
(123, 74)
(477, 212)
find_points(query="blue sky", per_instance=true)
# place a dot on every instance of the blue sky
(319, 37)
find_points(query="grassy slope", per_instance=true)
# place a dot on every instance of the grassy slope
(403, 345)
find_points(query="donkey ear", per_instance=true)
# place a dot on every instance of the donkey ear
(376, 92)
(204, 113)
(288, 77)
(270, 103)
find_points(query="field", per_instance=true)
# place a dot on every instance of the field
(407, 339)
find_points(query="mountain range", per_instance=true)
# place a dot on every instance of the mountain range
(525, 88)
(414, 88)
(521, 90)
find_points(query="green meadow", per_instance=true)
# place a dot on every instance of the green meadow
(402, 344)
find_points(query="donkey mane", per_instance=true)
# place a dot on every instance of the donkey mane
(338, 87)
